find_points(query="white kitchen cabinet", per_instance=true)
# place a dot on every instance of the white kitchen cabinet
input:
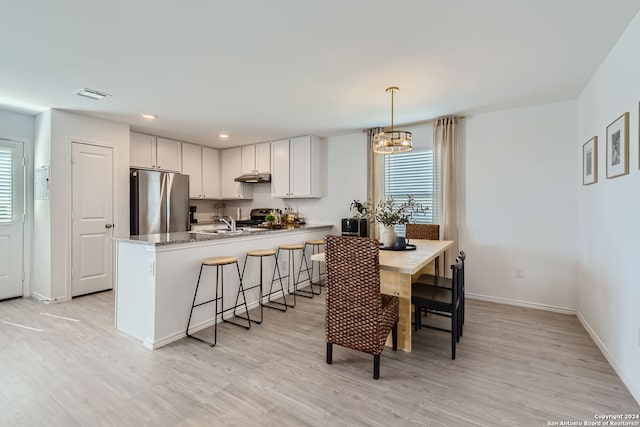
(231, 168)
(248, 159)
(263, 157)
(280, 168)
(296, 166)
(192, 166)
(210, 173)
(168, 155)
(202, 164)
(256, 158)
(150, 152)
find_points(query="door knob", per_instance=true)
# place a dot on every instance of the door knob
(108, 226)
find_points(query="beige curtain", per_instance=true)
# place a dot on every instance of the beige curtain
(445, 201)
(375, 178)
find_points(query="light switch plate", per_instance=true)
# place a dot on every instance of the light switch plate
(518, 273)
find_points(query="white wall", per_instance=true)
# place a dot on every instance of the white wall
(56, 131)
(518, 204)
(41, 254)
(20, 127)
(608, 212)
(346, 180)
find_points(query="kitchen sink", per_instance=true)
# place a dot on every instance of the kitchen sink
(219, 231)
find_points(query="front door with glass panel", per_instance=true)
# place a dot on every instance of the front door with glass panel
(11, 218)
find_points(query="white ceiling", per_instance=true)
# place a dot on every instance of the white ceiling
(264, 70)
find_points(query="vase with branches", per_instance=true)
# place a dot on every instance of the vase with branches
(390, 213)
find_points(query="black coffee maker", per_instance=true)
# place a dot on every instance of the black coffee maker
(192, 215)
(354, 227)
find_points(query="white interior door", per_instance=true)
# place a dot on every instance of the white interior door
(92, 219)
(11, 218)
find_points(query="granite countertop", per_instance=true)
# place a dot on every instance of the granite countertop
(163, 239)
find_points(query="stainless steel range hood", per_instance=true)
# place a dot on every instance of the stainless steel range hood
(254, 178)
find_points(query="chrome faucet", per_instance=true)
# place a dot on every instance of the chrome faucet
(231, 225)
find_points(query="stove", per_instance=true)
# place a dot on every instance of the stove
(257, 217)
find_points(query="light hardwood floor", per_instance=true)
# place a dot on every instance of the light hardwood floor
(515, 366)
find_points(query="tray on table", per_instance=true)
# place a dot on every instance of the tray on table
(409, 247)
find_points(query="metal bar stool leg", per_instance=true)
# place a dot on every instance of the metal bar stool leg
(218, 300)
(277, 305)
(259, 285)
(296, 282)
(235, 307)
(315, 249)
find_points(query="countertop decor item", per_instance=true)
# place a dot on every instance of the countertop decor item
(409, 247)
(388, 212)
(359, 210)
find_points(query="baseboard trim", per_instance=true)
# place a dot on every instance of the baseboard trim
(153, 345)
(41, 298)
(607, 355)
(518, 303)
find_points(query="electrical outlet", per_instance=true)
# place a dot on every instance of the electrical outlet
(518, 273)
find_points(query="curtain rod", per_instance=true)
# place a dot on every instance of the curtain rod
(421, 122)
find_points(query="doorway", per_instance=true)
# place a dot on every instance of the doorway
(12, 174)
(91, 218)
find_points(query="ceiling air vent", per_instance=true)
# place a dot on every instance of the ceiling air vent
(90, 93)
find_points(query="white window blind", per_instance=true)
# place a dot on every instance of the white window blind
(410, 174)
(6, 185)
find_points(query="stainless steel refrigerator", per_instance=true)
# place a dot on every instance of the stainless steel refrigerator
(159, 202)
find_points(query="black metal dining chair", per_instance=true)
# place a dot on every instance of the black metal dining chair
(441, 300)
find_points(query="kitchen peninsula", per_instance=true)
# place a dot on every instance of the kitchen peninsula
(156, 277)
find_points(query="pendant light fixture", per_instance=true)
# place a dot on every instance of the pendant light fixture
(394, 141)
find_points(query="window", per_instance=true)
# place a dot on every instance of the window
(6, 185)
(410, 174)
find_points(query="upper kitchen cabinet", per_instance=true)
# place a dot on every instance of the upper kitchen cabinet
(150, 152)
(192, 166)
(256, 159)
(296, 168)
(230, 169)
(210, 173)
(202, 164)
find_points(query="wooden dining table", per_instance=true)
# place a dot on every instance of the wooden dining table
(398, 269)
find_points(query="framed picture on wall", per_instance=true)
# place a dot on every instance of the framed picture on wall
(618, 147)
(590, 161)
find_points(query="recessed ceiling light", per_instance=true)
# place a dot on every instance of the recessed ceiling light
(223, 136)
(148, 116)
(91, 93)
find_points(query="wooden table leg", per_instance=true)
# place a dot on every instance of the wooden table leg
(398, 284)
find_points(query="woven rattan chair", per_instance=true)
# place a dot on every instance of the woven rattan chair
(426, 232)
(423, 231)
(357, 315)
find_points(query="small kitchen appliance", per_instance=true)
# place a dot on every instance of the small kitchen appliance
(354, 227)
(192, 215)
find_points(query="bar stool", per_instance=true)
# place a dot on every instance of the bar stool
(274, 304)
(219, 263)
(315, 249)
(261, 253)
(293, 290)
